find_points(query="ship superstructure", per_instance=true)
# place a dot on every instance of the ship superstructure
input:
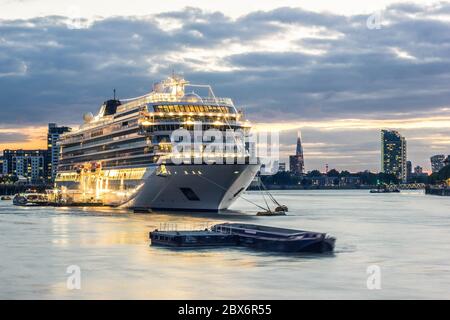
(124, 155)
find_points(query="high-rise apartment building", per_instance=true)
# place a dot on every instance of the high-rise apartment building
(29, 164)
(437, 162)
(393, 154)
(52, 149)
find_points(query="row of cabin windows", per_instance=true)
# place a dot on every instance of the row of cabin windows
(112, 164)
(111, 146)
(103, 138)
(113, 128)
(113, 154)
(205, 127)
(192, 108)
(100, 134)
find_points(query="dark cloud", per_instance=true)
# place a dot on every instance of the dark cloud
(11, 137)
(50, 71)
(47, 67)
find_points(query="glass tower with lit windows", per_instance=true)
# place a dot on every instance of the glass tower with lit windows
(437, 162)
(53, 135)
(297, 162)
(29, 164)
(393, 154)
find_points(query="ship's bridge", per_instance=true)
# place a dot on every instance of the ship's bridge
(173, 91)
(168, 107)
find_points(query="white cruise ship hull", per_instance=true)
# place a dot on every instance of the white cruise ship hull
(181, 188)
(194, 187)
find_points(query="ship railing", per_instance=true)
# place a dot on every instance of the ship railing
(173, 226)
(116, 149)
(204, 100)
(97, 143)
(75, 136)
(96, 123)
(161, 97)
(148, 122)
(209, 100)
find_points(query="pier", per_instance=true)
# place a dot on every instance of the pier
(53, 198)
(438, 191)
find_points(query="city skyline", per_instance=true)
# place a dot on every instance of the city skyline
(286, 150)
(325, 73)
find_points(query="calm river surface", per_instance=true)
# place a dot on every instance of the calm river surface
(406, 235)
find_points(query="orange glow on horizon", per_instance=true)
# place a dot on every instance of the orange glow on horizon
(435, 122)
(36, 138)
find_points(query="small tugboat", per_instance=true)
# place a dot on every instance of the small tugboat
(280, 209)
(30, 199)
(269, 213)
(277, 239)
(385, 189)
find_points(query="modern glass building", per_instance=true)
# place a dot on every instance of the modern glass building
(393, 154)
(29, 164)
(53, 135)
(437, 162)
(297, 162)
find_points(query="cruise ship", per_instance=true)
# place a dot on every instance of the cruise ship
(124, 155)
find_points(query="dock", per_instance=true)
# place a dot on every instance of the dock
(247, 235)
(34, 199)
(438, 191)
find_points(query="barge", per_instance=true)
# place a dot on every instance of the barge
(190, 239)
(277, 239)
(247, 235)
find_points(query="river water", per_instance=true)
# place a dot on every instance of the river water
(404, 237)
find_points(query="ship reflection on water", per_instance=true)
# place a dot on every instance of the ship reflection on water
(112, 249)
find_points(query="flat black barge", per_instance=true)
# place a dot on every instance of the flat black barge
(247, 235)
(277, 239)
(189, 239)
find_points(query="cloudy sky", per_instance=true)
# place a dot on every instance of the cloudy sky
(337, 70)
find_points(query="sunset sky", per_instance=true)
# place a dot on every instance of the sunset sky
(317, 66)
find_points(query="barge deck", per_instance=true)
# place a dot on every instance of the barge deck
(247, 235)
(192, 238)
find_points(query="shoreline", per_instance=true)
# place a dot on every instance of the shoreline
(12, 189)
(294, 187)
